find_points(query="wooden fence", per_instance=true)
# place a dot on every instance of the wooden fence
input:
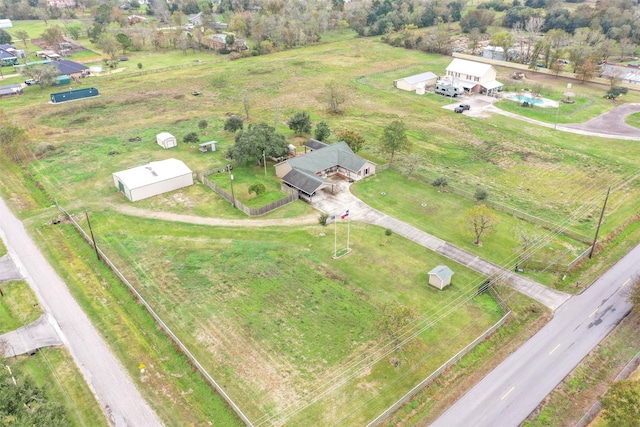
(165, 328)
(292, 197)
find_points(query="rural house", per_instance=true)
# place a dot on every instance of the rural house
(10, 90)
(414, 82)
(440, 276)
(308, 173)
(166, 140)
(8, 55)
(74, 70)
(474, 76)
(152, 179)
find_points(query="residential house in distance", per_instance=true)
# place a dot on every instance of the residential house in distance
(474, 76)
(10, 90)
(8, 55)
(309, 173)
(74, 70)
(6, 23)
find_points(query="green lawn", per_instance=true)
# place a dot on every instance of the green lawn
(56, 372)
(633, 120)
(19, 306)
(286, 307)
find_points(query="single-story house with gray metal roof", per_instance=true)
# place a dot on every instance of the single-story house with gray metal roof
(308, 173)
(440, 276)
(412, 83)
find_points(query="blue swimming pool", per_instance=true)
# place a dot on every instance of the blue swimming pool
(528, 99)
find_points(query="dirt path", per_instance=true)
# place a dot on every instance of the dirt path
(193, 219)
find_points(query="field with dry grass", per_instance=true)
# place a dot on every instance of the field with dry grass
(276, 320)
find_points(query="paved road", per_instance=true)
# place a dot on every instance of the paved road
(516, 387)
(342, 199)
(26, 340)
(109, 381)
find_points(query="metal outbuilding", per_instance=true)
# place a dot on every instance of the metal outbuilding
(73, 95)
(152, 179)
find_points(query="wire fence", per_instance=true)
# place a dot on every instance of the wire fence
(435, 374)
(165, 328)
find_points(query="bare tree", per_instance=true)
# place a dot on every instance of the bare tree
(335, 94)
(246, 103)
(479, 220)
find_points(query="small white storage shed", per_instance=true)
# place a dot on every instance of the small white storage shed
(166, 140)
(412, 83)
(152, 179)
(440, 276)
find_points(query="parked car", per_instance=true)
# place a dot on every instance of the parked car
(30, 82)
(462, 107)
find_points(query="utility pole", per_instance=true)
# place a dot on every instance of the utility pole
(595, 239)
(93, 239)
(233, 196)
(264, 160)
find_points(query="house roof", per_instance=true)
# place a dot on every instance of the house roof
(10, 89)
(314, 144)
(4, 54)
(304, 181)
(7, 47)
(472, 68)
(152, 173)
(66, 67)
(442, 271)
(164, 135)
(338, 154)
(418, 78)
(492, 84)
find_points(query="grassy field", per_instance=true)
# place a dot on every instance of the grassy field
(18, 307)
(633, 120)
(217, 286)
(273, 317)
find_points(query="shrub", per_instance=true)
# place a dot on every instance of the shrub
(257, 188)
(233, 123)
(481, 194)
(191, 138)
(441, 182)
(322, 219)
(388, 232)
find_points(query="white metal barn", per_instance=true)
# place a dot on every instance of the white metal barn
(152, 179)
(412, 83)
(166, 140)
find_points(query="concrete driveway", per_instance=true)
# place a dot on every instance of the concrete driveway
(30, 338)
(338, 202)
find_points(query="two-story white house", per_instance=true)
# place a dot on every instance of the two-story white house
(474, 76)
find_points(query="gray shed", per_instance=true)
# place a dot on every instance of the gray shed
(440, 276)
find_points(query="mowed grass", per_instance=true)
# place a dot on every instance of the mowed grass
(19, 306)
(273, 316)
(54, 370)
(443, 214)
(633, 120)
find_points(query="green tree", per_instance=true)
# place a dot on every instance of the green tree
(202, 125)
(394, 139)
(587, 70)
(74, 30)
(108, 43)
(125, 42)
(300, 123)
(354, 140)
(479, 220)
(23, 36)
(633, 293)
(441, 182)
(621, 404)
(477, 18)
(481, 194)
(53, 36)
(256, 139)
(5, 38)
(23, 403)
(322, 131)
(505, 40)
(44, 74)
(191, 138)
(258, 188)
(233, 123)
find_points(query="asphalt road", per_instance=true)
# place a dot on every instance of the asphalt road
(114, 389)
(514, 389)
